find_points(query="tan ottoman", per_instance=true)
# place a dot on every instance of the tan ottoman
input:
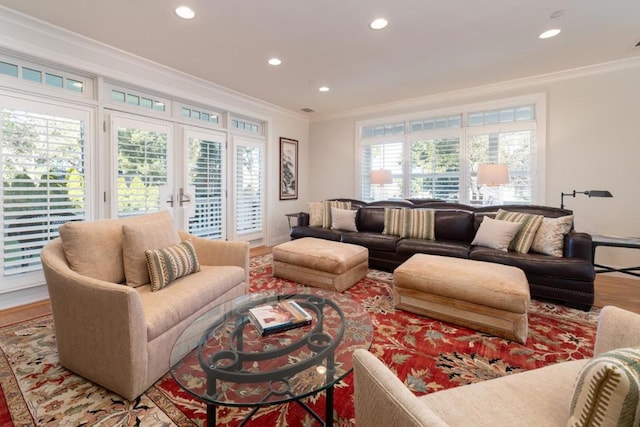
(321, 263)
(484, 296)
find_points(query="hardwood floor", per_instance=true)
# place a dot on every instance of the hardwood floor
(609, 290)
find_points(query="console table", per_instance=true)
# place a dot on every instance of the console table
(618, 242)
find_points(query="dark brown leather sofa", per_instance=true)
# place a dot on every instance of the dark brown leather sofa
(567, 279)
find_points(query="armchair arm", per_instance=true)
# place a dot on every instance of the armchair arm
(111, 346)
(381, 399)
(617, 328)
(220, 252)
(578, 245)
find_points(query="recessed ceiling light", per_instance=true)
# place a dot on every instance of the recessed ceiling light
(274, 61)
(378, 24)
(185, 12)
(549, 33)
(323, 89)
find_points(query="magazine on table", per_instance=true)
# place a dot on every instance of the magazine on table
(279, 316)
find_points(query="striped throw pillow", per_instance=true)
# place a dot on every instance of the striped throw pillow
(168, 264)
(326, 211)
(607, 392)
(419, 224)
(527, 232)
(393, 221)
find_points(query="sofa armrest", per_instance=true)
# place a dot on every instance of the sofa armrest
(381, 399)
(303, 219)
(220, 252)
(617, 328)
(111, 346)
(578, 245)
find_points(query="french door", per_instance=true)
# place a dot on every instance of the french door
(211, 192)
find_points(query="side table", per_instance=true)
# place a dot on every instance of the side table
(291, 216)
(618, 242)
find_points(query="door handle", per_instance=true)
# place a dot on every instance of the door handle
(183, 198)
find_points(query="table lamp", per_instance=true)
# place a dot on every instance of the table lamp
(492, 176)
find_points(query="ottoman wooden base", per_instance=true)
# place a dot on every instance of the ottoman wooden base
(321, 263)
(484, 296)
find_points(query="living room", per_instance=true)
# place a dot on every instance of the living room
(586, 118)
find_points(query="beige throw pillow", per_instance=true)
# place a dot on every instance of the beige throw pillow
(94, 248)
(549, 239)
(137, 238)
(315, 214)
(495, 234)
(343, 219)
(326, 211)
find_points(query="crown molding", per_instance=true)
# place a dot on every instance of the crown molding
(36, 39)
(522, 83)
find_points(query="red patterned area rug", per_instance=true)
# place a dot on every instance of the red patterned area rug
(427, 355)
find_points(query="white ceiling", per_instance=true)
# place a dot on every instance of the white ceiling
(430, 46)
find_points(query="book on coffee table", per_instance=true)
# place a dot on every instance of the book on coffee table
(278, 317)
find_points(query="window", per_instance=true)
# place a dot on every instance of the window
(249, 188)
(199, 115)
(382, 155)
(44, 180)
(435, 168)
(45, 76)
(245, 126)
(437, 155)
(138, 99)
(143, 173)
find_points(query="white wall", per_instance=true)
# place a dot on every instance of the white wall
(593, 143)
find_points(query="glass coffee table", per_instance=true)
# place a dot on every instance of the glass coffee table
(222, 359)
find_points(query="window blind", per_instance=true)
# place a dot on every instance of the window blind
(43, 183)
(206, 175)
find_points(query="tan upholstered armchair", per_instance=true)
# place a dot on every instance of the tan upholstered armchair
(539, 397)
(117, 334)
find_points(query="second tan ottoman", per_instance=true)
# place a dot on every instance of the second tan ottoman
(321, 263)
(484, 296)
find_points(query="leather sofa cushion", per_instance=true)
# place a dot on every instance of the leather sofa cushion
(370, 219)
(537, 264)
(450, 248)
(373, 241)
(454, 224)
(319, 232)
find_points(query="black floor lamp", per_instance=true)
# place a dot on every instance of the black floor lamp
(590, 193)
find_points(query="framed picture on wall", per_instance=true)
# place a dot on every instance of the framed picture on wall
(288, 169)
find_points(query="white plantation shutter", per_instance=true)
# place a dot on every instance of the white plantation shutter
(387, 155)
(44, 182)
(435, 169)
(142, 166)
(249, 188)
(513, 148)
(206, 165)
